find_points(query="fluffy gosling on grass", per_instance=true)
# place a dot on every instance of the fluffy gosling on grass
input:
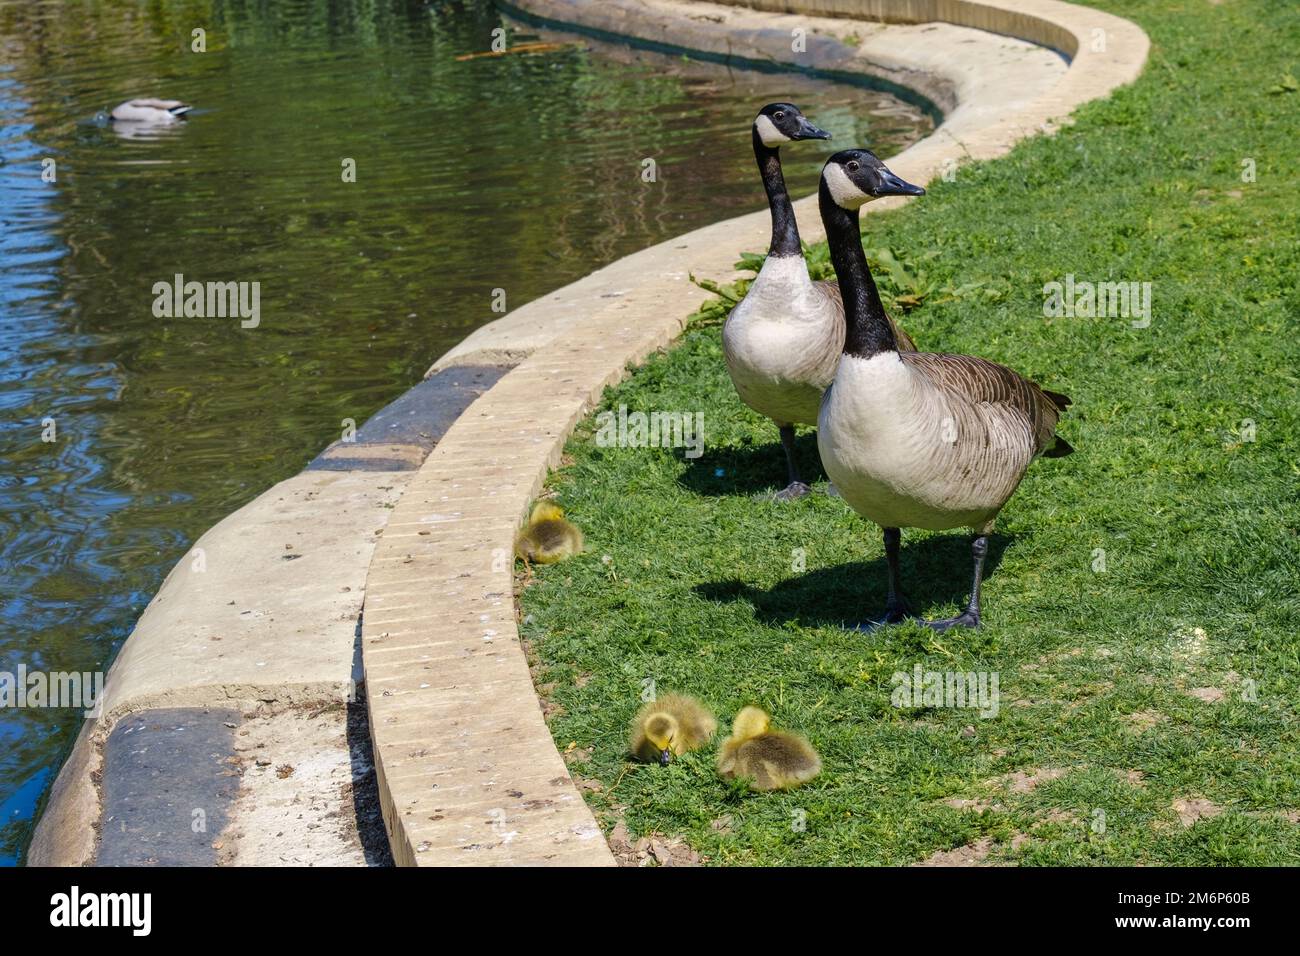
(547, 537)
(669, 727)
(769, 759)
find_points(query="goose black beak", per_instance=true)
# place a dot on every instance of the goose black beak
(665, 757)
(891, 185)
(808, 131)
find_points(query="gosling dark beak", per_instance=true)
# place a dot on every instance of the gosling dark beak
(808, 131)
(665, 757)
(891, 185)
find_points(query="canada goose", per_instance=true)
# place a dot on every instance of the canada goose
(670, 726)
(782, 341)
(769, 759)
(918, 439)
(548, 536)
(150, 111)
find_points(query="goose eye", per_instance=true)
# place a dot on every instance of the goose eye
(852, 166)
(779, 114)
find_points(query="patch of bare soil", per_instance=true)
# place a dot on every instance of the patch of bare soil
(574, 754)
(307, 793)
(1018, 782)
(1145, 719)
(652, 850)
(1055, 815)
(1195, 808)
(974, 805)
(972, 854)
(1026, 781)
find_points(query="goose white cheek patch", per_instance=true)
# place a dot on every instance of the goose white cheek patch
(843, 190)
(768, 133)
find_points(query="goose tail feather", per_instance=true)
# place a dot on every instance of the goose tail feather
(1059, 448)
(1062, 402)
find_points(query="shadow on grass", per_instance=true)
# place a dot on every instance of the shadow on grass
(751, 469)
(936, 575)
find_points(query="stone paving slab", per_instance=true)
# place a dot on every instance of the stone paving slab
(400, 435)
(168, 787)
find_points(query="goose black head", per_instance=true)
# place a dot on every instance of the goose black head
(856, 176)
(779, 123)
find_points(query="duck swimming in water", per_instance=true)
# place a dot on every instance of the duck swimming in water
(158, 112)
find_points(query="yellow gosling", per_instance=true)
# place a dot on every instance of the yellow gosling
(670, 726)
(768, 759)
(548, 536)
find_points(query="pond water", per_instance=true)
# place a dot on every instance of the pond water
(520, 172)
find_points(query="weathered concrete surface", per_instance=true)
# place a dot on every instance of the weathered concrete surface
(307, 792)
(265, 605)
(69, 828)
(975, 78)
(263, 612)
(398, 436)
(167, 786)
(468, 771)
(211, 786)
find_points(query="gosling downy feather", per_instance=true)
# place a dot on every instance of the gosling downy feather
(769, 759)
(670, 726)
(548, 536)
(918, 439)
(783, 340)
(150, 111)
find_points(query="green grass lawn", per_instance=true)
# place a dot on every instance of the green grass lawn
(1166, 682)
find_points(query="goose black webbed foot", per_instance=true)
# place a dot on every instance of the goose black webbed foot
(796, 489)
(970, 617)
(967, 618)
(897, 610)
(793, 491)
(897, 607)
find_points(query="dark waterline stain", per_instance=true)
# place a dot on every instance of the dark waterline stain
(518, 172)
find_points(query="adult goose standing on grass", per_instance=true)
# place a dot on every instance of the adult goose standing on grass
(918, 439)
(783, 340)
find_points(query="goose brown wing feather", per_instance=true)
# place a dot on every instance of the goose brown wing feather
(831, 288)
(979, 381)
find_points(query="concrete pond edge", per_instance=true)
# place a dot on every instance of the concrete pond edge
(416, 514)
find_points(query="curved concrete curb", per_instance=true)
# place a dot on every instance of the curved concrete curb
(262, 614)
(468, 771)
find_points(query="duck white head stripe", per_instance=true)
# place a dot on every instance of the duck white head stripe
(768, 133)
(843, 190)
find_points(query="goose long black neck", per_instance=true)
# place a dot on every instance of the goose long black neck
(867, 328)
(785, 231)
